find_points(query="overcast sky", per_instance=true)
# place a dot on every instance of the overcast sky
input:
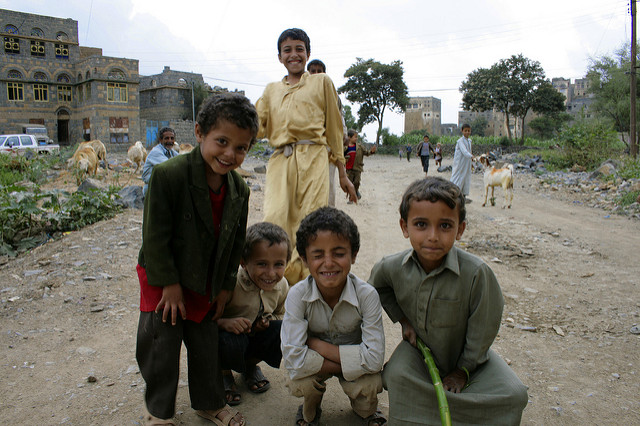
(233, 43)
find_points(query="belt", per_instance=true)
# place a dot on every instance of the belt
(287, 149)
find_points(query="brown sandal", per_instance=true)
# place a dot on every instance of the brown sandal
(231, 413)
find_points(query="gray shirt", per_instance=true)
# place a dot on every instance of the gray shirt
(354, 324)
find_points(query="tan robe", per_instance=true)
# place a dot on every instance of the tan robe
(299, 183)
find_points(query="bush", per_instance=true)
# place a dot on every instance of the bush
(588, 143)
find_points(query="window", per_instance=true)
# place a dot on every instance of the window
(37, 48)
(37, 32)
(116, 74)
(62, 36)
(80, 94)
(119, 129)
(64, 78)
(62, 51)
(26, 141)
(117, 92)
(40, 92)
(11, 29)
(88, 91)
(40, 76)
(15, 91)
(11, 45)
(64, 93)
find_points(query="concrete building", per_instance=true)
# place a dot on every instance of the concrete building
(423, 113)
(47, 78)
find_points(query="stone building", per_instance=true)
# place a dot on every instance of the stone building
(423, 113)
(166, 99)
(495, 122)
(47, 78)
(578, 98)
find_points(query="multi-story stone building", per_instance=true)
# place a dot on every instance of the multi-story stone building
(578, 98)
(423, 113)
(46, 77)
(167, 99)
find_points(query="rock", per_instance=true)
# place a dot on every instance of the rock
(558, 410)
(132, 369)
(528, 328)
(634, 330)
(131, 197)
(558, 330)
(244, 173)
(606, 169)
(91, 184)
(615, 375)
(443, 169)
(83, 350)
(256, 188)
(260, 169)
(92, 379)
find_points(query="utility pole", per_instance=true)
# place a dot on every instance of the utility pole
(632, 124)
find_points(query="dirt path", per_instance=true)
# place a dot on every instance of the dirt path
(68, 311)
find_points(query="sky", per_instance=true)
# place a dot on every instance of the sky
(233, 43)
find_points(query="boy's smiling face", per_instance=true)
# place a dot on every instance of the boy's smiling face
(223, 149)
(329, 259)
(294, 56)
(266, 264)
(432, 229)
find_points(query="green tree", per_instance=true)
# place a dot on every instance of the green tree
(479, 126)
(549, 125)
(513, 86)
(349, 119)
(609, 83)
(376, 87)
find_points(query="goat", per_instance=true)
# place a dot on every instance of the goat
(137, 154)
(185, 148)
(497, 177)
(98, 148)
(85, 161)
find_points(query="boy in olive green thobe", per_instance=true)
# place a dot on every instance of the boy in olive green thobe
(452, 301)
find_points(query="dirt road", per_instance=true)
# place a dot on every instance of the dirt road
(569, 273)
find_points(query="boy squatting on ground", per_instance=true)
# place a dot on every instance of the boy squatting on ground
(193, 232)
(333, 321)
(250, 325)
(354, 155)
(301, 118)
(452, 301)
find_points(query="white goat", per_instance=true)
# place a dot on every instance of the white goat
(497, 177)
(137, 154)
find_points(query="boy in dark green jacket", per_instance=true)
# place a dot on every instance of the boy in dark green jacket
(193, 233)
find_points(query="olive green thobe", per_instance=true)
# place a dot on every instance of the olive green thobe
(456, 310)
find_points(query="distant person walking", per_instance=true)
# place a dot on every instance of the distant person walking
(423, 152)
(461, 170)
(408, 150)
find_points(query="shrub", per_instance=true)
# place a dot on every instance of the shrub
(588, 143)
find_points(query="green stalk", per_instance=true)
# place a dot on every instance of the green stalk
(443, 405)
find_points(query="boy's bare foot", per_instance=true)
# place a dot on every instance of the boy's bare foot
(226, 416)
(376, 419)
(300, 421)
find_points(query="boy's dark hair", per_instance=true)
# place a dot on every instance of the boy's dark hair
(232, 107)
(164, 130)
(426, 135)
(352, 132)
(265, 231)
(295, 34)
(327, 219)
(465, 126)
(433, 189)
(315, 62)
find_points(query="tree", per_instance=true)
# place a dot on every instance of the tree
(376, 87)
(349, 119)
(547, 126)
(513, 86)
(479, 126)
(609, 84)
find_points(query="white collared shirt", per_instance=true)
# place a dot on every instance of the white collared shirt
(354, 325)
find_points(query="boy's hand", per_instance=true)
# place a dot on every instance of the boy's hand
(261, 325)
(408, 332)
(172, 301)
(219, 303)
(235, 325)
(455, 381)
(348, 188)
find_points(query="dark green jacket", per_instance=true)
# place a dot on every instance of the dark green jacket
(178, 239)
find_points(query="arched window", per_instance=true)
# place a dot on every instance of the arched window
(79, 77)
(62, 36)
(11, 29)
(40, 76)
(182, 82)
(37, 32)
(63, 78)
(14, 74)
(87, 76)
(116, 74)
(15, 90)
(11, 44)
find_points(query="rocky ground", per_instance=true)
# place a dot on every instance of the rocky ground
(567, 266)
